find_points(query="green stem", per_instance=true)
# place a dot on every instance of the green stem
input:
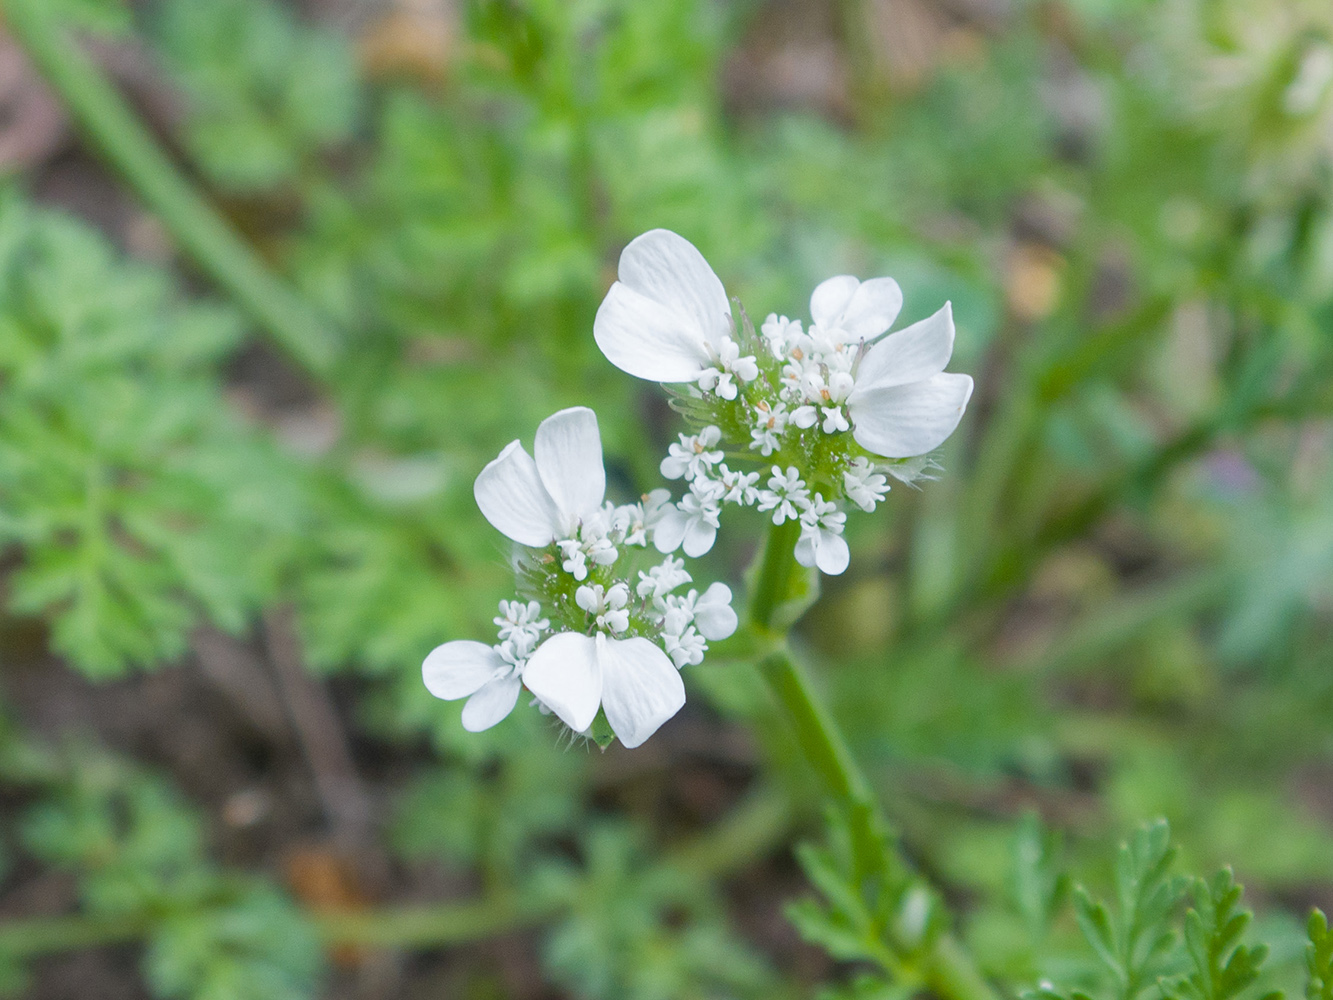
(433, 926)
(773, 583)
(48, 935)
(946, 969)
(104, 115)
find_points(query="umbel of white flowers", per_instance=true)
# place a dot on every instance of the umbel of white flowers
(589, 639)
(831, 409)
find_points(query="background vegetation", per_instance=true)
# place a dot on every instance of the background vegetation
(261, 325)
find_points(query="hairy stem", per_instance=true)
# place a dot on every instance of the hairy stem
(946, 969)
(122, 138)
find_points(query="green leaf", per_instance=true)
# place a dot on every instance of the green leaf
(1223, 967)
(1133, 938)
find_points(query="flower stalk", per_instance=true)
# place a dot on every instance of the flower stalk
(945, 968)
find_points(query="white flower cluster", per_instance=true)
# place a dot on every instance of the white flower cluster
(693, 522)
(836, 406)
(614, 647)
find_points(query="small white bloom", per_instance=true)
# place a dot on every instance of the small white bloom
(805, 416)
(821, 543)
(538, 502)
(729, 363)
(637, 520)
(769, 426)
(632, 680)
(694, 456)
(663, 579)
(517, 618)
(781, 334)
(487, 676)
(739, 486)
(607, 605)
(846, 310)
(864, 486)
(802, 379)
(686, 647)
(693, 522)
(712, 612)
(574, 560)
(834, 421)
(786, 495)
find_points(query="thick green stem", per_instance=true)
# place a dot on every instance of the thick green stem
(947, 969)
(104, 115)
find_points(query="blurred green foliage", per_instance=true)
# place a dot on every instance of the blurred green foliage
(1114, 604)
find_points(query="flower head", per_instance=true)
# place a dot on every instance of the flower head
(837, 405)
(584, 645)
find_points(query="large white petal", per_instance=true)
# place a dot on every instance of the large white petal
(806, 547)
(569, 459)
(648, 339)
(831, 297)
(511, 496)
(565, 676)
(832, 554)
(667, 268)
(714, 616)
(669, 531)
(872, 309)
(905, 420)
(641, 688)
(491, 704)
(914, 353)
(459, 668)
(699, 537)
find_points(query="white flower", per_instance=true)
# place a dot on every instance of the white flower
(636, 521)
(693, 521)
(863, 485)
(711, 613)
(537, 502)
(781, 334)
(694, 456)
(633, 680)
(667, 318)
(770, 423)
(905, 403)
(517, 618)
(821, 543)
(739, 486)
(834, 420)
(607, 605)
(574, 560)
(685, 647)
(786, 495)
(662, 580)
(805, 416)
(846, 310)
(718, 378)
(487, 676)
